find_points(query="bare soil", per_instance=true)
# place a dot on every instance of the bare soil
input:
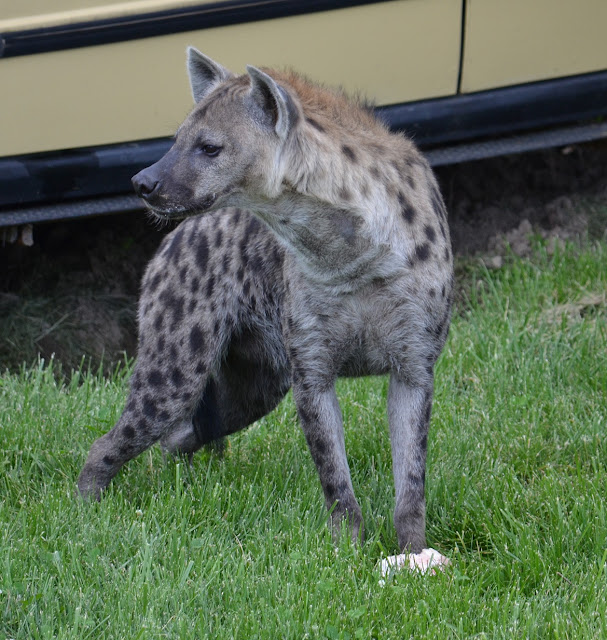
(73, 294)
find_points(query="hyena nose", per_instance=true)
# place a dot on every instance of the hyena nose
(145, 184)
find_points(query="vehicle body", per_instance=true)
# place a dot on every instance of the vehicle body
(93, 91)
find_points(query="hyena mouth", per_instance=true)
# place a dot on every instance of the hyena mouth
(179, 212)
(166, 213)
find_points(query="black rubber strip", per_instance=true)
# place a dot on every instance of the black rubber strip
(501, 111)
(147, 25)
(437, 157)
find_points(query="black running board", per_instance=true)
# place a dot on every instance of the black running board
(437, 157)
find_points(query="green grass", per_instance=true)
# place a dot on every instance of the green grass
(238, 547)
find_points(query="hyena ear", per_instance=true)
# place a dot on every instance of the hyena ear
(205, 74)
(274, 101)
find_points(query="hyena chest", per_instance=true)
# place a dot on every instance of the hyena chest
(366, 333)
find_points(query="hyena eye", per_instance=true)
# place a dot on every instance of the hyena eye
(210, 150)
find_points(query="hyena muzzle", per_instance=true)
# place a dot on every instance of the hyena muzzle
(316, 245)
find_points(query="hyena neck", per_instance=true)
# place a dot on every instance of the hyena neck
(332, 245)
(336, 206)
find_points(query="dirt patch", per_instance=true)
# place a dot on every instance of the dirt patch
(496, 205)
(74, 292)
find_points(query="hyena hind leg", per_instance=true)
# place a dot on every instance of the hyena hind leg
(160, 400)
(250, 383)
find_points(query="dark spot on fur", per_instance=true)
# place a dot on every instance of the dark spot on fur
(202, 252)
(128, 432)
(374, 172)
(182, 274)
(320, 445)
(348, 152)
(173, 352)
(200, 368)
(216, 327)
(277, 256)
(154, 282)
(108, 460)
(240, 273)
(430, 233)
(407, 211)
(149, 408)
(175, 304)
(246, 287)
(176, 377)
(194, 285)
(447, 254)
(416, 481)
(422, 252)
(345, 194)
(196, 340)
(315, 124)
(210, 286)
(164, 416)
(218, 238)
(423, 443)
(158, 321)
(411, 182)
(252, 228)
(432, 292)
(443, 291)
(174, 249)
(155, 378)
(236, 217)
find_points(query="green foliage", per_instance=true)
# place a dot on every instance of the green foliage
(237, 547)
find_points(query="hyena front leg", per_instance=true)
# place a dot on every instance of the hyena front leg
(322, 424)
(409, 409)
(165, 389)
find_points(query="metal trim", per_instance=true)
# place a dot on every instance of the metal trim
(147, 25)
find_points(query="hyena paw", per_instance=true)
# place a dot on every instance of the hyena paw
(428, 560)
(89, 486)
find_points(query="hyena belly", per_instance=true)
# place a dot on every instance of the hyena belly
(211, 358)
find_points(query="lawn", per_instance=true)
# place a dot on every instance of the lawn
(237, 547)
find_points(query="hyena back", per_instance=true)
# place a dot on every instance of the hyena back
(323, 251)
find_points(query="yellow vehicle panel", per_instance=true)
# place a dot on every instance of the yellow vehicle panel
(516, 41)
(391, 52)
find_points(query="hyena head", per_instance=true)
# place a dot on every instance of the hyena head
(228, 150)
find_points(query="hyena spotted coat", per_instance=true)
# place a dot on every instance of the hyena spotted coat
(322, 251)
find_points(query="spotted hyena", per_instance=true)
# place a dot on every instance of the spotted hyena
(323, 251)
